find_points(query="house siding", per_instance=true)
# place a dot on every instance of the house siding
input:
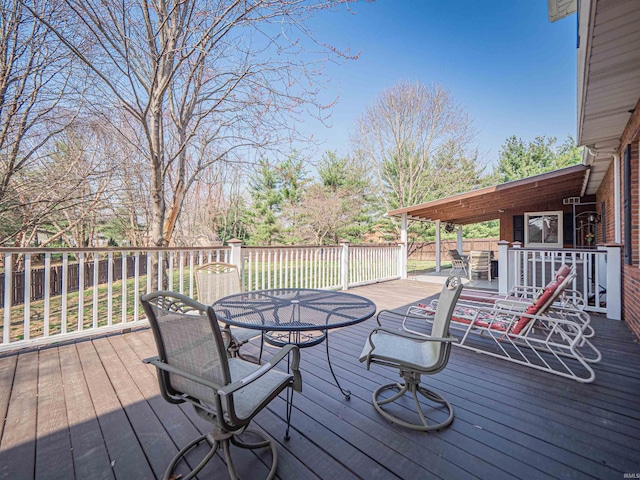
(630, 273)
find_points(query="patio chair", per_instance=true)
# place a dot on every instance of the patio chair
(540, 333)
(193, 366)
(413, 356)
(480, 262)
(458, 264)
(214, 281)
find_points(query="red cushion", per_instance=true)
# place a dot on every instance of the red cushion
(563, 271)
(548, 291)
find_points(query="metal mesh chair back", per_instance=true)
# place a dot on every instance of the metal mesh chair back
(189, 340)
(455, 255)
(215, 281)
(446, 305)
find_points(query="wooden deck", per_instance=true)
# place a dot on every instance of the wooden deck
(91, 409)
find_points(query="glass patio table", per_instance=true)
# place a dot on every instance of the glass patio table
(297, 316)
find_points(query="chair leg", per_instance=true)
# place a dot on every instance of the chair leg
(412, 384)
(219, 438)
(214, 446)
(266, 442)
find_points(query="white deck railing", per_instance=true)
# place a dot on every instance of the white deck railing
(535, 267)
(58, 294)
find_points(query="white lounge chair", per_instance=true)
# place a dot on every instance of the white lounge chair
(542, 333)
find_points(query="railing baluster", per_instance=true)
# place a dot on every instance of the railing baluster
(65, 285)
(26, 333)
(160, 271)
(191, 267)
(47, 292)
(124, 287)
(110, 288)
(80, 291)
(181, 267)
(149, 271)
(170, 268)
(96, 279)
(136, 284)
(8, 297)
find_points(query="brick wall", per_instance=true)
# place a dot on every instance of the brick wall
(630, 273)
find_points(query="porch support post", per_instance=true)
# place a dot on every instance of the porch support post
(614, 281)
(438, 245)
(616, 201)
(402, 263)
(503, 267)
(460, 239)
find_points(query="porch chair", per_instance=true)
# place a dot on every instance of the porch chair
(542, 333)
(214, 281)
(193, 366)
(480, 262)
(458, 264)
(413, 356)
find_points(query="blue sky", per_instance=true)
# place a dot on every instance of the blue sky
(503, 61)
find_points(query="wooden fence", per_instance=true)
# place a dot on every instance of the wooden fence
(73, 278)
(427, 250)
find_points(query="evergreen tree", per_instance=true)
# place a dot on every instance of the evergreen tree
(266, 199)
(518, 159)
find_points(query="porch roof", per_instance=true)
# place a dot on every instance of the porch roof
(487, 203)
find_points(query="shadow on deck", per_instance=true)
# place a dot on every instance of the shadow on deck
(91, 409)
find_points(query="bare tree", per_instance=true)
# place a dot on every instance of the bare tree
(64, 194)
(176, 65)
(323, 211)
(212, 206)
(35, 74)
(403, 136)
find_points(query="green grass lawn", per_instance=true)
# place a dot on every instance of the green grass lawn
(423, 266)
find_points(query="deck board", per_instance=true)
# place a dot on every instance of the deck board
(92, 409)
(90, 456)
(53, 453)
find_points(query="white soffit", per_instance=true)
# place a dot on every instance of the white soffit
(559, 9)
(608, 77)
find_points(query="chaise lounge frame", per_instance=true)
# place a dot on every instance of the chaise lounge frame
(555, 339)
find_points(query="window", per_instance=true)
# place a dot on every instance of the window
(543, 229)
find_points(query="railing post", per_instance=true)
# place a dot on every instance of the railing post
(503, 266)
(235, 257)
(614, 281)
(344, 265)
(515, 262)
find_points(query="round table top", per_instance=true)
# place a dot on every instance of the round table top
(293, 309)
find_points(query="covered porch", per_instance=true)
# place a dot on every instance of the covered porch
(91, 409)
(545, 220)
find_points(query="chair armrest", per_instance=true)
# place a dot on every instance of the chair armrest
(160, 365)
(411, 336)
(295, 363)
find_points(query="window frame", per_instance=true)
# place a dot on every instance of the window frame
(559, 243)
